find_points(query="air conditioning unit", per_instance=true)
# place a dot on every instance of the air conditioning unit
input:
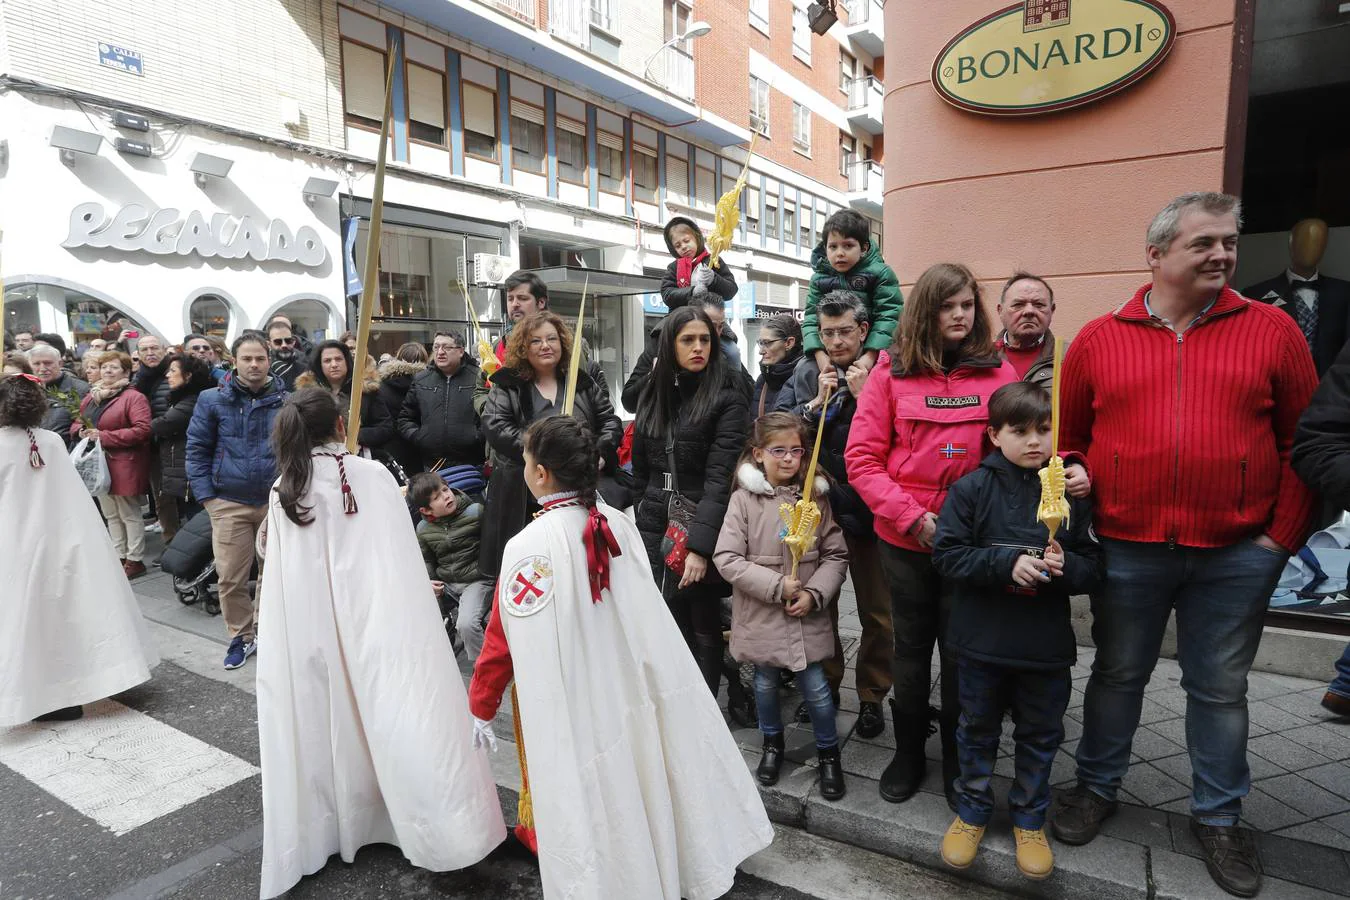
(490, 270)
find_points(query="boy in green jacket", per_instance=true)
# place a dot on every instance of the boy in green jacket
(846, 260)
(448, 535)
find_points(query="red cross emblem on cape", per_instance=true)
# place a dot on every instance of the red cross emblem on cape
(528, 586)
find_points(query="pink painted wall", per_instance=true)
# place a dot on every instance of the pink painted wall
(1066, 195)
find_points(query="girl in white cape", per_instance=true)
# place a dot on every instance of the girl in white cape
(632, 782)
(73, 633)
(363, 726)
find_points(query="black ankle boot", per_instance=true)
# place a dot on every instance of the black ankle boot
(905, 773)
(831, 774)
(771, 761)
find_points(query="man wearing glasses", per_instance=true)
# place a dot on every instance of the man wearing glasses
(287, 363)
(438, 417)
(843, 326)
(197, 345)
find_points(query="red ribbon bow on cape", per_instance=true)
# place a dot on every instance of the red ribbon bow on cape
(600, 548)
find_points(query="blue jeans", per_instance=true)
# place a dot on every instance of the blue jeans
(1037, 699)
(815, 691)
(1341, 684)
(1220, 596)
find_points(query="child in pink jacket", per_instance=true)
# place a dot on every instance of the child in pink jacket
(920, 426)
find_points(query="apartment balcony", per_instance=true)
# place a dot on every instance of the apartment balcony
(866, 28)
(865, 102)
(866, 178)
(673, 69)
(508, 27)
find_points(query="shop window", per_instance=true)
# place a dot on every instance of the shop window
(312, 318)
(209, 315)
(529, 151)
(801, 36)
(801, 129)
(363, 85)
(426, 105)
(613, 177)
(571, 138)
(480, 122)
(644, 174)
(759, 105)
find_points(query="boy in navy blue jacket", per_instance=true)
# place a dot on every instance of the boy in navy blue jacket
(1009, 627)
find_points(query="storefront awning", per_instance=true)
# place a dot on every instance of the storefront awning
(597, 282)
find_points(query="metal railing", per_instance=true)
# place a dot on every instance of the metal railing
(861, 175)
(521, 9)
(673, 69)
(862, 91)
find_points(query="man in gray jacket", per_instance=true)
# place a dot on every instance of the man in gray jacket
(64, 390)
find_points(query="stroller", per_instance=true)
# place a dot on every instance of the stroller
(192, 563)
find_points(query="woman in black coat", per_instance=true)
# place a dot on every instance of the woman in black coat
(780, 349)
(396, 378)
(187, 376)
(691, 409)
(531, 385)
(330, 368)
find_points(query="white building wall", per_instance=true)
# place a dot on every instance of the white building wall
(236, 63)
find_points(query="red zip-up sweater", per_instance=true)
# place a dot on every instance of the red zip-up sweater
(1189, 435)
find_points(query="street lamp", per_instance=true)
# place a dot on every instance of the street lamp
(695, 30)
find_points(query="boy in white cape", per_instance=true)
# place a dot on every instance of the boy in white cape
(632, 782)
(363, 724)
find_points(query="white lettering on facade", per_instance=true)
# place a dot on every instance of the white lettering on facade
(165, 232)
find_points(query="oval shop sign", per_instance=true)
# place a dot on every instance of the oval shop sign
(1046, 55)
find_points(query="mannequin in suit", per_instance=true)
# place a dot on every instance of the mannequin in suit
(1319, 304)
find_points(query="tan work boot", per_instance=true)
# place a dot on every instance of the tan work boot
(1034, 858)
(960, 843)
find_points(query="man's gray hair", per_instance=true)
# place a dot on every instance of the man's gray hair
(1162, 231)
(43, 349)
(838, 303)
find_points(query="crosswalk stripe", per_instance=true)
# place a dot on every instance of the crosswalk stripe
(118, 766)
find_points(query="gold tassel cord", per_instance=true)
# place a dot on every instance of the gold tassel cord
(803, 517)
(525, 808)
(371, 285)
(1053, 510)
(574, 364)
(729, 211)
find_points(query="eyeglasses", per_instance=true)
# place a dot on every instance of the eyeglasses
(283, 342)
(438, 348)
(539, 343)
(199, 348)
(787, 452)
(766, 343)
(830, 334)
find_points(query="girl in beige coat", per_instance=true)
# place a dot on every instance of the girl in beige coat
(780, 622)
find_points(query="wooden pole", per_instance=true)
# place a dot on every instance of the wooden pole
(371, 280)
(574, 364)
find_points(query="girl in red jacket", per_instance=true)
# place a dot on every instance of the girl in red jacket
(919, 427)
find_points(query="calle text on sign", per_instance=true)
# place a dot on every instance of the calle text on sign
(1047, 55)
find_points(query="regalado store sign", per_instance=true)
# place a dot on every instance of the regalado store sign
(1047, 55)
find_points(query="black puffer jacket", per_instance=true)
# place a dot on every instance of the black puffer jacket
(154, 384)
(705, 459)
(723, 281)
(770, 382)
(1322, 441)
(170, 432)
(396, 377)
(509, 412)
(438, 417)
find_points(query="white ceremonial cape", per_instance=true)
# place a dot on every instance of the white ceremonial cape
(363, 721)
(73, 632)
(639, 789)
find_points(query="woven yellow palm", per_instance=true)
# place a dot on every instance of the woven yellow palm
(1053, 509)
(729, 211)
(803, 517)
(487, 357)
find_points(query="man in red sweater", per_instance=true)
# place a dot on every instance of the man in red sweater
(1185, 400)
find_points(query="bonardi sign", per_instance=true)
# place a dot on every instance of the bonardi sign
(1046, 55)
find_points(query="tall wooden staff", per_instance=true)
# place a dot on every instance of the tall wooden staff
(370, 284)
(574, 364)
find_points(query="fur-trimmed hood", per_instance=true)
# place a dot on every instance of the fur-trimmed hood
(308, 380)
(395, 368)
(750, 477)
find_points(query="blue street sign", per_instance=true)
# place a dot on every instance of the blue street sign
(120, 58)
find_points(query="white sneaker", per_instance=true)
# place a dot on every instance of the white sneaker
(154, 528)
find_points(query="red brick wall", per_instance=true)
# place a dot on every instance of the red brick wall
(722, 82)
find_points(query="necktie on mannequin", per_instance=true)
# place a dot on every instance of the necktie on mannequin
(1305, 308)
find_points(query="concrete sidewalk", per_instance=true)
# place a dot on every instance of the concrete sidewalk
(1299, 803)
